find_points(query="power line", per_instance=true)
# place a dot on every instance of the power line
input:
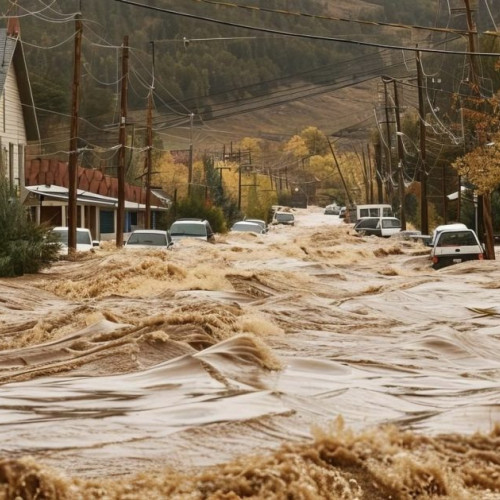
(300, 35)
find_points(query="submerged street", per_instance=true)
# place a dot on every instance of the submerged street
(132, 362)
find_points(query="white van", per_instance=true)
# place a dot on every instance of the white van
(373, 210)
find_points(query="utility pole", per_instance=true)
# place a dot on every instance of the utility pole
(401, 163)
(370, 169)
(73, 142)
(149, 144)
(388, 157)
(484, 200)
(122, 140)
(424, 216)
(346, 190)
(190, 166)
(378, 172)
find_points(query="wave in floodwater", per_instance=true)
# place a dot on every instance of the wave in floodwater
(305, 363)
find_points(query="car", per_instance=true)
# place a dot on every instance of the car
(332, 209)
(342, 212)
(378, 226)
(84, 241)
(191, 228)
(453, 246)
(286, 218)
(149, 238)
(248, 227)
(444, 227)
(261, 223)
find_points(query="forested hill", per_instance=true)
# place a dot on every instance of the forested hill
(202, 57)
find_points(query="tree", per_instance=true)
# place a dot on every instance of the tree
(25, 247)
(481, 167)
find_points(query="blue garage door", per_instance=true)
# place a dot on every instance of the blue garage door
(107, 221)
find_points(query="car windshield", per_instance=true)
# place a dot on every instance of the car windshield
(284, 217)
(82, 237)
(153, 239)
(188, 229)
(254, 228)
(391, 223)
(456, 239)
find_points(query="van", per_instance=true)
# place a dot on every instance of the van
(373, 210)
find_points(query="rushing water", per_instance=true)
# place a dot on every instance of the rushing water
(305, 363)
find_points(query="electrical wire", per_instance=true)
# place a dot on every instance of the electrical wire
(300, 35)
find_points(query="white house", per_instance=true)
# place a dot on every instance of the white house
(18, 122)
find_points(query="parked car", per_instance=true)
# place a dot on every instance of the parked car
(332, 209)
(284, 218)
(248, 227)
(191, 228)
(453, 246)
(84, 241)
(149, 238)
(378, 226)
(260, 222)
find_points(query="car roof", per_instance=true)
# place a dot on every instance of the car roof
(246, 223)
(191, 221)
(65, 228)
(150, 231)
(455, 225)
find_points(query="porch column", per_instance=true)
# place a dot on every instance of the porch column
(64, 221)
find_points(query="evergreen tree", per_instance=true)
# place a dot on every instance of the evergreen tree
(25, 247)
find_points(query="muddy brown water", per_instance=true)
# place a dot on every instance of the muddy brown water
(305, 363)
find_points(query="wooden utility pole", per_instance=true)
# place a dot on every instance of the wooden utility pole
(388, 157)
(149, 144)
(424, 216)
(483, 200)
(190, 166)
(350, 202)
(370, 169)
(121, 153)
(401, 163)
(73, 142)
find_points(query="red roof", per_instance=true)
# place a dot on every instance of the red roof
(55, 172)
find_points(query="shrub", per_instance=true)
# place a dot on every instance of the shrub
(25, 247)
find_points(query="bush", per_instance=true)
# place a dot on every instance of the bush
(25, 247)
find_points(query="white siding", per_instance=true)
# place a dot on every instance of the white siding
(12, 128)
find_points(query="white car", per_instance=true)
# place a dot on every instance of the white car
(445, 227)
(260, 222)
(84, 241)
(247, 227)
(378, 226)
(452, 246)
(286, 218)
(191, 228)
(149, 238)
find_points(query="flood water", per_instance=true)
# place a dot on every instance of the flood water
(306, 363)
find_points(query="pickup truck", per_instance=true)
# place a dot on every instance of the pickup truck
(452, 246)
